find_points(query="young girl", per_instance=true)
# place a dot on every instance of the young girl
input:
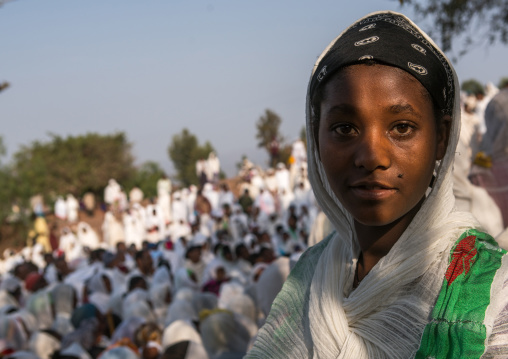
(404, 275)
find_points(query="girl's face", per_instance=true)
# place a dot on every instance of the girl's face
(378, 142)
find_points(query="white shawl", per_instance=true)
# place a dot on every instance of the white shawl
(318, 315)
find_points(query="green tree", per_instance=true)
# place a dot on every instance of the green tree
(474, 21)
(184, 151)
(73, 164)
(145, 178)
(4, 85)
(7, 185)
(472, 87)
(3, 150)
(268, 135)
(303, 135)
(503, 83)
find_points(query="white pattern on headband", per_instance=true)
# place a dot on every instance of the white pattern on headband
(419, 69)
(368, 27)
(366, 57)
(321, 74)
(419, 48)
(367, 41)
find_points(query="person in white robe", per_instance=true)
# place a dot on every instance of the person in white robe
(179, 208)
(87, 236)
(112, 192)
(271, 180)
(72, 208)
(155, 223)
(299, 152)
(61, 208)
(190, 199)
(67, 241)
(469, 197)
(282, 175)
(212, 195)
(136, 195)
(212, 168)
(256, 182)
(225, 195)
(265, 202)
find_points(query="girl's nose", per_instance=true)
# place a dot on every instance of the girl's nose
(373, 151)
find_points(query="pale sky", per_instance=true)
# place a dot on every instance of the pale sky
(150, 68)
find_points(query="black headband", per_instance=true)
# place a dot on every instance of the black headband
(390, 39)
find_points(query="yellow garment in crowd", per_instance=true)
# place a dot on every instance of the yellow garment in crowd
(42, 233)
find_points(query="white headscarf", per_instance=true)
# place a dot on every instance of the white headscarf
(178, 331)
(180, 309)
(222, 334)
(63, 296)
(270, 282)
(43, 344)
(385, 316)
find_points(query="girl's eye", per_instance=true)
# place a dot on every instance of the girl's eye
(345, 130)
(403, 129)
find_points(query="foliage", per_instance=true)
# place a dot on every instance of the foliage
(4, 85)
(285, 154)
(184, 151)
(472, 87)
(3, 150)
(470, 20)
(72, 165)
(503, 83)
(7, 189)
(268, 129)
(145, 178)
(269, 137)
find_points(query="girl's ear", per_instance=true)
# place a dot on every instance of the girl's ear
(443, 134)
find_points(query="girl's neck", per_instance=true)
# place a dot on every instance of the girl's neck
(376, 241)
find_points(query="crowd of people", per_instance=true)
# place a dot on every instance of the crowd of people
(191, 273)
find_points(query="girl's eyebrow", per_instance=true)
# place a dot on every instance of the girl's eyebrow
(405, 107)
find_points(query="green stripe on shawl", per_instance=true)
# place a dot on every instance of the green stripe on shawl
(457, 329)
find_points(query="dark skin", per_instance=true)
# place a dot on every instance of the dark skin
(382, 129)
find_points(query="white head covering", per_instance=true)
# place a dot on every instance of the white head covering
(183, 280)
(136, 304)
(63, 296)
(196, 351)
(43, 344)
(270, 282)
(178, 331)
(39, 304)
(75, 349)
(12, 334)
(119, 353)
(385, 316)
(180, 309)
(222, 334)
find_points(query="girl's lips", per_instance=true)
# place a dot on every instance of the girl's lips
(372, 190)
(373, 193)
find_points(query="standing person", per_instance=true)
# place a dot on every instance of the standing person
(404, 275)
(492, 162)
(89, 203)
(212, 168)
(164, 198)
(201, 171)
(72, 208)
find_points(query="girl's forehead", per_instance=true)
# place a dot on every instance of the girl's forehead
(370, 75)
